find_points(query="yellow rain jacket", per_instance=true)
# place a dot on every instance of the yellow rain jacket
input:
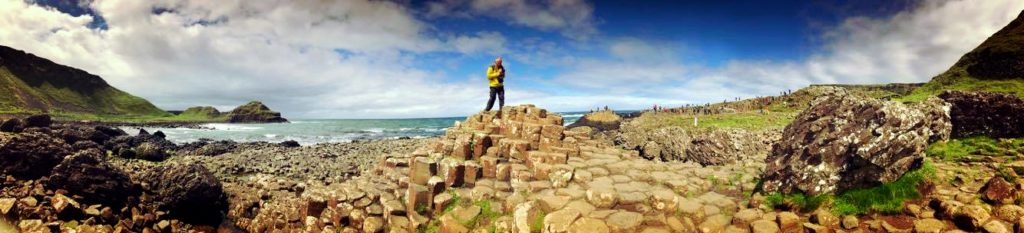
(496, 76)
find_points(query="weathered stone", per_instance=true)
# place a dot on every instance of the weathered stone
(788, 220)
(764, 226)
(451, 225)
(31, 155)
(971, 217)
(88, 175)
(418, 198)
(1010, 213)
(929, 225)
(998, 191)
(824, 217)
(624, 221)
(746, 216)
(473, 172)
(522, 217)
(421, 169)
(373, 225)
(850, 222)
(715, 223)
(602, 197)
(455, 173)
(189, 192)
(589, 225)
(881, 139)
(559, 221)
(996, 226)
(489, 165)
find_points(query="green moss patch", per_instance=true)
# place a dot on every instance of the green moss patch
(885, 198)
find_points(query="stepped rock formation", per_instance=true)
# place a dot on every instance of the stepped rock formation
(254, 111)
(518, 171)
(600, 120)
(989, 114)
(843, 141)
(32, 83)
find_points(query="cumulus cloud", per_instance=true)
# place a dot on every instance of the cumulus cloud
(910, 46)
(572, 18)
(305, 58)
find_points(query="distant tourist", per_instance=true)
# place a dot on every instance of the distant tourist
(496, 77)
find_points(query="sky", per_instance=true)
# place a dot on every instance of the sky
(410, 59)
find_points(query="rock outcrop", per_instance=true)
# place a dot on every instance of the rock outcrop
(32, 155)
(190, 192)
(600, 120)
(254, 111)
(843, 141)
(88, 175)
(703, 146)
(981, 113)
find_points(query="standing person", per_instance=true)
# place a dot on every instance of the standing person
(496, 77)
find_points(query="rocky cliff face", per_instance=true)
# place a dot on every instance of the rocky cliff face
(989, 114)
(254, 111)
(843, 141)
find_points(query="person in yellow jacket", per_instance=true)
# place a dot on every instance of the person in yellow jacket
(496, 77)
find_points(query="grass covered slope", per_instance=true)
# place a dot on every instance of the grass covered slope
(37, 85)
(997, 65)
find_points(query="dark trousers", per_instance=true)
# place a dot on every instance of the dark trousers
(500, 92)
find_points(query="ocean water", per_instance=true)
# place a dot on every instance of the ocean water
(312, 131)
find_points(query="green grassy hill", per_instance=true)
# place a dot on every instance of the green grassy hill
(997, 65)
(36, 85)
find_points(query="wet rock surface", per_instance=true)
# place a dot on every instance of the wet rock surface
(843, 141)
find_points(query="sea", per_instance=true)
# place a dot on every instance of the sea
(314, 131)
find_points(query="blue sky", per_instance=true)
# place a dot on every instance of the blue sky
(385, 59)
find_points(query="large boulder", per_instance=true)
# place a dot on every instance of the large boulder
(982, 113)
(254, 111)
(600, 120)
(190, 192)
(31, 155)
(130, 146)
(13, 125)
(87, 174)
(41, 121)
(843, 141)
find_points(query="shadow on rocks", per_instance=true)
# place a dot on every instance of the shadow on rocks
(190, 193)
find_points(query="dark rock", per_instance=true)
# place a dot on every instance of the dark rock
(844, 141)
(122, 143)
(83, 145)
(72, 135)
(207, 147)
(290, 144)
(998, 191)
(600, 120)
(190, 192)
(981, 113)
(41, 121)
(254, 111)
(159, 134)
(110, 131)
(87, 174)
(13, 125)
(151, 152)
(143, 132)
(31, 155)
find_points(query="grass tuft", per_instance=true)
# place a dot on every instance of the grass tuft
(885, 198)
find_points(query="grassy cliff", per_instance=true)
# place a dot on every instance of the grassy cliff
(36, 85)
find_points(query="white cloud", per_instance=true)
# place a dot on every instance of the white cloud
(304, 58)
(572, 18)
(911, 46)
